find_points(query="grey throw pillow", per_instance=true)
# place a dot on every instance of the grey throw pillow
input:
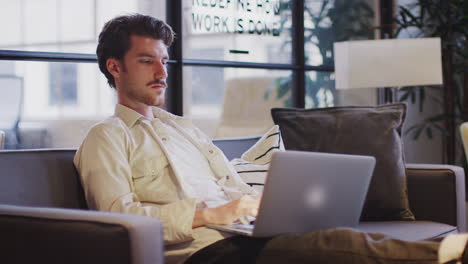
(362, 130)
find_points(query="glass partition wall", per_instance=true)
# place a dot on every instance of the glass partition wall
(232, 61)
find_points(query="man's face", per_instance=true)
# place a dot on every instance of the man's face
(141, 77)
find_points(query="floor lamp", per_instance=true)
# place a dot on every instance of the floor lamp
(388, 63)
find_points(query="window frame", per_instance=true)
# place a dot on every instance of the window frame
(177, 61)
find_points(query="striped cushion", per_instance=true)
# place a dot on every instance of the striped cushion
(253, 165)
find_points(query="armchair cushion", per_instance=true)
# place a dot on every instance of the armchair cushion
(50, 235)
(360, 130)
(436, 192)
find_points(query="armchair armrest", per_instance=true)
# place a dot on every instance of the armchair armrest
(51, 235)
(437, 193)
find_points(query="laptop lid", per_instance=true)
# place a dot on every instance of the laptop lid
(308, 191)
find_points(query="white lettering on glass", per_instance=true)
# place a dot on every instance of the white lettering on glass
(261, 17)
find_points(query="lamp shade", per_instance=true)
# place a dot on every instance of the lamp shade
(387, 63)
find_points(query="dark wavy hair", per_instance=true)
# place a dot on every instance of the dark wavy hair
(114, 39)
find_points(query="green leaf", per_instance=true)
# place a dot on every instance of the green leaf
(429, 132)
(404, 20)
(413, 97)
(273, 86)
(408, 13)
(283, 88)
(422, 98)
(322, 9)
(416, 130)
(423, 14)
(442, 130)
(413, 127)
(438, 118)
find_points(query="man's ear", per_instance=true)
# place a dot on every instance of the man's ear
(114, 67)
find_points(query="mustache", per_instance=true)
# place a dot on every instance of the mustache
(161, 82)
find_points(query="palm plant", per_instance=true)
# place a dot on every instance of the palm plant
(326, 21)
(449, 21)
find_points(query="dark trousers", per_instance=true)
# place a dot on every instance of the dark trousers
(328, 246)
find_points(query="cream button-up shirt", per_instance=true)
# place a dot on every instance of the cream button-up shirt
(131, 164)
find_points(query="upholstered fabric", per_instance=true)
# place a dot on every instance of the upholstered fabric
(234, 147)
(50, 180)
(362, 130)
(22, 232)
(43, 177)
(437, 193)
(53, 235)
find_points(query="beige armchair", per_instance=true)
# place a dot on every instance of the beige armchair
(246, 111)
(464, 137)
(2, 139)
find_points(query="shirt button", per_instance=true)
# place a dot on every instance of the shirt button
(164, 139)
(210, 151)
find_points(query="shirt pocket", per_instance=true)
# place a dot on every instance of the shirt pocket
(148, 168)
(152, 182)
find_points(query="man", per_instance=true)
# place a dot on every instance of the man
(146, 161)
(142, 159)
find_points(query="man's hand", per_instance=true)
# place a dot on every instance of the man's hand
(228, 213)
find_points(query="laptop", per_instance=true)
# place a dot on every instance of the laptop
(309, 191)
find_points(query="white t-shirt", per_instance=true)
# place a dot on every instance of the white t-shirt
(204, 184)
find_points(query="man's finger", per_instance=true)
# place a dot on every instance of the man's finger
(254, 212)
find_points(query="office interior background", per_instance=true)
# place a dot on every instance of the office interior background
(233, 60)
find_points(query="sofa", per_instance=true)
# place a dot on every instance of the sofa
(44, 217)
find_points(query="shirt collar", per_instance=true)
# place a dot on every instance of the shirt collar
(164, 115)
(130, 116)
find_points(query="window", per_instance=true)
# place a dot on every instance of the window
(240, 102)
(62, 89)
(244, 30)
(210, 77)
(57, 90)
(326, 22)
(251, 54)
(63, 84)
(251, 35)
